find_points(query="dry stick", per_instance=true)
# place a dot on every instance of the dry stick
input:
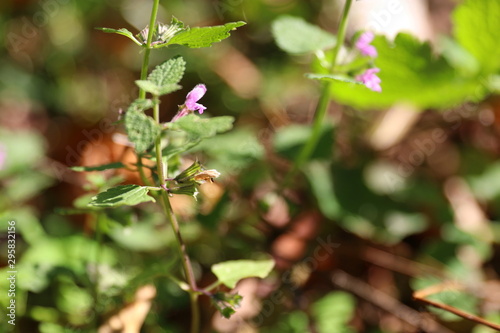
(421, 294)
(398, 263)
(410, 268)
(386, 302)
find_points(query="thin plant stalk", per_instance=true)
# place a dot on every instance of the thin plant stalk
(147, 52)
(323, 103)
(167, 207)
(144, 74)
(97, 276)
(186, 262)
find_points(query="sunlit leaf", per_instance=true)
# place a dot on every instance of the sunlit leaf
(407, 66)
(204, 36)
(476, 29)
(122, 31)
(230, 272)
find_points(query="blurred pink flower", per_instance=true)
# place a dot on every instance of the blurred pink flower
(363, 44)
(370, 79)
(190, 104)
(3, 155)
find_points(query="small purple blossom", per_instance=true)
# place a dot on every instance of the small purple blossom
(194, 96)
(190, 104)
(370, 79)
(363, 44)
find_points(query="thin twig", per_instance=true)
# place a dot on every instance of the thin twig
(398, 263)
(421, 295)
(387, 303)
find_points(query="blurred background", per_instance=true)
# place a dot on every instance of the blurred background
(394, 200)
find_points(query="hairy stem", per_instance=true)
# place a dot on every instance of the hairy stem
(144, 74)
(161, 171)
(147, 52)
(323, 103)
(186, 262)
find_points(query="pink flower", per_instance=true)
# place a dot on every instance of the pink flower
(370, 79)
(363, 44)
(3, 155)
(194, 96)
(190, 104)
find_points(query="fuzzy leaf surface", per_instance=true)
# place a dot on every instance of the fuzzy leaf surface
(204, 36)
(121, 195)
(142, 130)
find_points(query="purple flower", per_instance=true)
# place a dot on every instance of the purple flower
(370, 79)
(190, 104)
(363, 44)
(194, 96)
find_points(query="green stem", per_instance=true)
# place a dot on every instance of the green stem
(97, 277)
(341, 34)
(186, 262)
(147, 52)
(322, 106)
(144, 74)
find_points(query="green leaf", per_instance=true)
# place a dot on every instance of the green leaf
(289, 141)
(144, 236)
(476, 29)
(114, 165)
(169, 72)
(123, 32)
(198, 128)
(25, 184)
(232, 151)
(203, 36)
(486, 185)
(333, 312)
(24, 152)
(408, 66)
(294, 35)
(148, 86)
(230, 272)
(320, 178)
(121, 195)
(164, 78)
(153, 89)
(140, 105)
(142, 130)
(458, 57)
